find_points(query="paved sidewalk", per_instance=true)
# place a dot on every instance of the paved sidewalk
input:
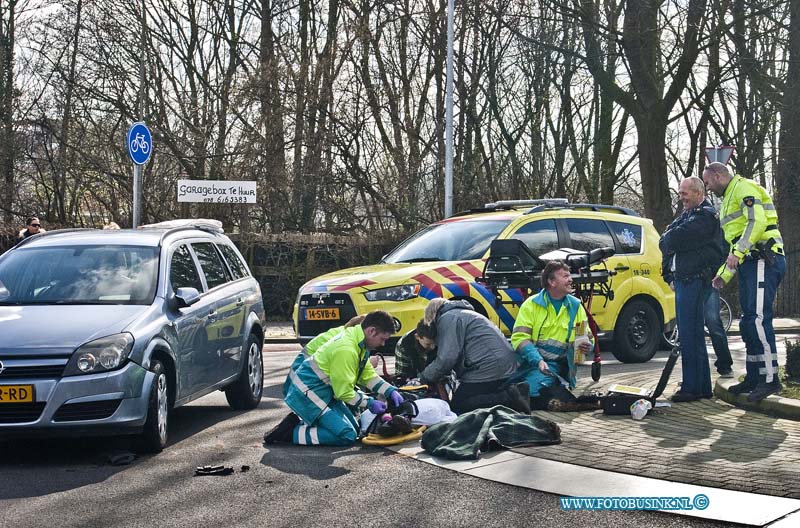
(708, 443)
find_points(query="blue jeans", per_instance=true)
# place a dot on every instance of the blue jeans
(690, 297)
(719, 338)
(758, 283)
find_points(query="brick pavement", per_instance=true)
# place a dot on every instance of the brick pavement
(708, 443)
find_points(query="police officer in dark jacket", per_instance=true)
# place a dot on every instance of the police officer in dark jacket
(691, 257)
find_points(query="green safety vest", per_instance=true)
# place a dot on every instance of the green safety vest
(747, 217)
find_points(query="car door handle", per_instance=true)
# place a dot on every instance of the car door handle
(622, 268)
(239, 302)
(212, 317)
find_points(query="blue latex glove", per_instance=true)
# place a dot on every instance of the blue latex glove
(376, 406)
(396, 398)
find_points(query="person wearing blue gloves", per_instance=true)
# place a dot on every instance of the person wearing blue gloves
(322, 392)
(544, 339)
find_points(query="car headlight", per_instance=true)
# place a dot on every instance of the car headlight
(395, 293)
(100, 355)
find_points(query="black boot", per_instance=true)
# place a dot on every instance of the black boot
(519, 397)
(741, 388)
(762, 390)
(283, 431)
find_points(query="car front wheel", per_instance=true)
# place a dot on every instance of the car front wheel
(245, 392)
(154, 435)
(637, 333)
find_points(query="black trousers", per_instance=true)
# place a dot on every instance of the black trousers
(471, 396)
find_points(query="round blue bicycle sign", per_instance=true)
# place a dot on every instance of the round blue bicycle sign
(140, 143)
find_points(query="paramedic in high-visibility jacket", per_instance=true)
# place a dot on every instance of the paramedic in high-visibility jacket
(544, 336)
(750, 223)
(315, 344)
(323, 389)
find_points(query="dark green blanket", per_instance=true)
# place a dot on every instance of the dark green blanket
(483, 429)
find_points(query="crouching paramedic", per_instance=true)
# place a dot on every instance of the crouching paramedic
(544, 338)
(322, 390)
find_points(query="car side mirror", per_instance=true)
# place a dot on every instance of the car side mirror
(185, 297)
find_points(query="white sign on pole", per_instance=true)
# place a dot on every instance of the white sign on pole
(216, 191)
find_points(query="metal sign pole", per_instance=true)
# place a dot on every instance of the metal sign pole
(137, 181)
(448, 132)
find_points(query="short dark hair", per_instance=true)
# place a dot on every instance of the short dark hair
(30, 220)
(380, 320)
(427, 331)
(550, 270)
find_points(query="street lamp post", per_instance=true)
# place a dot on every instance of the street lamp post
(448, 131)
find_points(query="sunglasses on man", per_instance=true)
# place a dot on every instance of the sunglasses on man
(35, 225)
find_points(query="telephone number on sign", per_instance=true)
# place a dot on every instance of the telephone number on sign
(228, 199)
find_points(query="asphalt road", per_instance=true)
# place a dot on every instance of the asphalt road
(71, 482)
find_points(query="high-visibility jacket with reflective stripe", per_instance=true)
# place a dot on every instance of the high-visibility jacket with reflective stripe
(332, 373)
(747, 216)
(550, 333)
(308, 351)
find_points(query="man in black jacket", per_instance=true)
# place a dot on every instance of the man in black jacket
(691, 258)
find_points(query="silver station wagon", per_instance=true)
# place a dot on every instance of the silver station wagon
(105, 331)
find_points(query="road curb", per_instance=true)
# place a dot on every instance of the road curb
(772, 405)
(280, 340)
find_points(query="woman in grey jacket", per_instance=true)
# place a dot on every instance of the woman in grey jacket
(483, 360)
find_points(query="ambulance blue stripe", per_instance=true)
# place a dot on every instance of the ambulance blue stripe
(455, 290)
(427, 293)
(505, 317)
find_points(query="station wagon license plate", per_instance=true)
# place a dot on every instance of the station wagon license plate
(16, 393)
(322, 314)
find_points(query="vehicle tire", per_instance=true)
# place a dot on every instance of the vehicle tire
(245, 392)
(154, 434)
(637, 333)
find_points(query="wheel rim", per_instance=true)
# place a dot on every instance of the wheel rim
(163, 403)
(638, 330)
(254, 369)
(725, 315)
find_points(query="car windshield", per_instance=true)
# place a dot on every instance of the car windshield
(458, 240)
(79, 275)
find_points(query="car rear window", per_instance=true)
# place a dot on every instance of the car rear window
(628, 235)
(212, 265)
(456, 240)
(111, 274)
(237, 267)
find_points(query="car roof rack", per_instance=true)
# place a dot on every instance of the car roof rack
(592, 207)
(525, 203)
(510, 205)
(171, 226)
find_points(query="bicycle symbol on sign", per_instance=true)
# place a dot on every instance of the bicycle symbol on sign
(139, 143)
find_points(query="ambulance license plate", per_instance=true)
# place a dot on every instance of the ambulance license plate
(322, 314)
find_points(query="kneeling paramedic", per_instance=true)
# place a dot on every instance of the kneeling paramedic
(322, 390)
(472, 346)
(544, 338)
